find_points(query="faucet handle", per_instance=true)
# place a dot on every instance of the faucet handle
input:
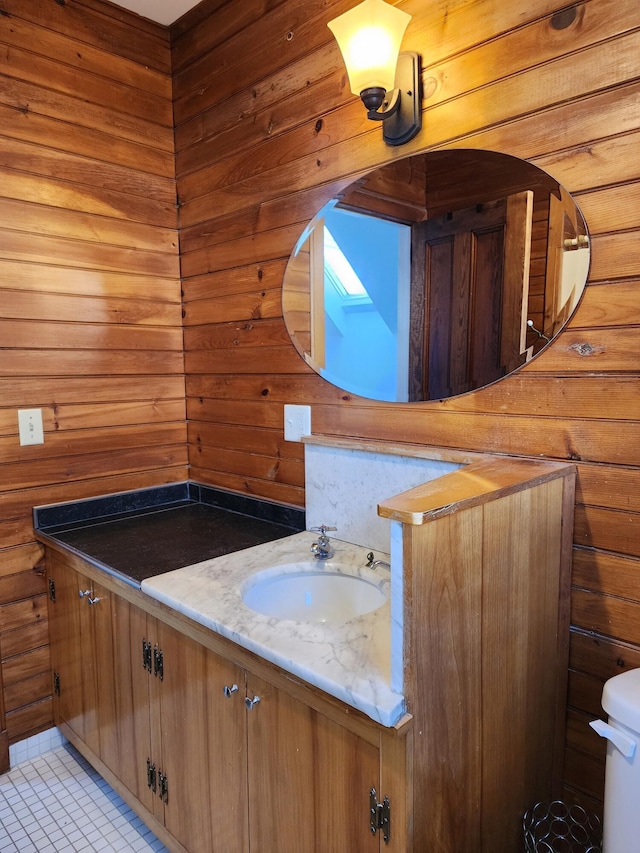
(372, 563)
(322, 549)
(323, 539)
(323, 528)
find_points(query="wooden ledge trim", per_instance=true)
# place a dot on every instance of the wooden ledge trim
(414, 451)
(478, 483)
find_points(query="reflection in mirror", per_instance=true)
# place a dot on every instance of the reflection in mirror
(435, 275)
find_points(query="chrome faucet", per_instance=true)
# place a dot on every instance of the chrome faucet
(323, 549)
(373, 563)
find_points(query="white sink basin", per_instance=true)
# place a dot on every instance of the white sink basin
(315, 592)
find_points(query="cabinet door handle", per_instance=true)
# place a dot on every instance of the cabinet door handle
(84, 593)
(229, 691)
(93, 601)
(251, 703)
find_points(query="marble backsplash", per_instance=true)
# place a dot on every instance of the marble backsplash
(345, 485)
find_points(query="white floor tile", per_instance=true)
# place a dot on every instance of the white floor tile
(56, 803)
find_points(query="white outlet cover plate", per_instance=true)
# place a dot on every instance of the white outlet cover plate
(297, 422)
(30, 427)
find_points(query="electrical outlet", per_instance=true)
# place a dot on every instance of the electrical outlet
(297, 422)
(30, 426)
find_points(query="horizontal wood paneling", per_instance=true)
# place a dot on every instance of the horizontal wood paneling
(118, 33)
(245, 438)
(29, 719)
(72, 225)
(86, 142)
(32, 635)
(81, 282)
(266, 130)
(60, 307)
(90, 300)
(24, 584)
(96, 362)
(84, 336)
(82, 390)
(262, 146)
(18, 613)
(59, 194)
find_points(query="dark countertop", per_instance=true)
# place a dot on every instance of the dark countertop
(138, 535)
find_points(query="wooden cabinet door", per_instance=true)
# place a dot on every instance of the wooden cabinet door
(309, 779)
(203, 746)
(102, 636)
(131, 696)
(73, 652)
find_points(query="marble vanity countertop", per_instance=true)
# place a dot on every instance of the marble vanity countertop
(350, 661)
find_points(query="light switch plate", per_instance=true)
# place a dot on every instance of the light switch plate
(30, 426)
(297, 422)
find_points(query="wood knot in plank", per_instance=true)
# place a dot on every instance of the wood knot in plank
(564, 18)
(272, 473)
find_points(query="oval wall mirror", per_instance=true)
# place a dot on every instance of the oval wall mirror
(435, 275)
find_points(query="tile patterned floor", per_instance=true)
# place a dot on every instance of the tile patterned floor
(57, 803)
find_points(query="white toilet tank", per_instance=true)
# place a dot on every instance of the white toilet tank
(621, 701)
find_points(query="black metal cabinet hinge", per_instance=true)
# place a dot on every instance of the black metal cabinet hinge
(146, 655)
(158, 663)
(151, 776)
(157, 781)
(163, 787)
(56, 683)
(152, 659)
(379, 815)
(52, 589)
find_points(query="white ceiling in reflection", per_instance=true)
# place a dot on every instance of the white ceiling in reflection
(163, 11)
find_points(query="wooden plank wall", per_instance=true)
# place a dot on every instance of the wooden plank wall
(265, 130)
(90, 316)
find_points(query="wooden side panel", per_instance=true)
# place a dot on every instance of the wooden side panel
(90, 318)
(447, 783)
(487, 635)
(522, 560)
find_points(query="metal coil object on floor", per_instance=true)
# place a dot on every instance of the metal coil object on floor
(557, 827)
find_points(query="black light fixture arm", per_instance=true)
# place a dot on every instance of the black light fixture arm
(399, 109)
(381, 104)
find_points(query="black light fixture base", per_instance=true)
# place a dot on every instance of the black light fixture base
(401, 113)
(373, 98)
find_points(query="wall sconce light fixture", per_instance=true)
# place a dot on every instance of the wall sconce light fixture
(369, 36)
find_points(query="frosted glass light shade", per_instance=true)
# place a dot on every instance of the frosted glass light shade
(369, 36)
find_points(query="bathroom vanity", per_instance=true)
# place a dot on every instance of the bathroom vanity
(429, 724)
